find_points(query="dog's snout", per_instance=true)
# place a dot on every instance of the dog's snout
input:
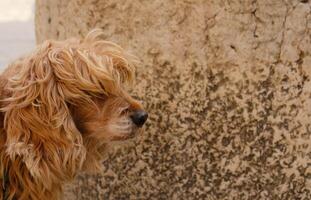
(139, 117)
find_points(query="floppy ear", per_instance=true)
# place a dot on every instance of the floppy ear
(39, 127)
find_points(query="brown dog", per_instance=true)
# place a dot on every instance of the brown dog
(61, 107)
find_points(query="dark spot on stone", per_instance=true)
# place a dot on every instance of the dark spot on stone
(285, 79)
(304, 1)
(49, 20)
(225, 141)
(233, 47)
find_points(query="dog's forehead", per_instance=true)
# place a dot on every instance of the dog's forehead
(134, 103)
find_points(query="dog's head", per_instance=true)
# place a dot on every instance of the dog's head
(68, 101)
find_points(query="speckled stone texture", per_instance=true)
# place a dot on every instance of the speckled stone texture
(227, 84)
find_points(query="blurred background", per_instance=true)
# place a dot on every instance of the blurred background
(16, 29)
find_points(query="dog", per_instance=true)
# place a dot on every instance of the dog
(61, 107)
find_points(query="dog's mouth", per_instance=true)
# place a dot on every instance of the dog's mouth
(125, 130)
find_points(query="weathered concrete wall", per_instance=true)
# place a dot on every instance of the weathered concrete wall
(227, 84)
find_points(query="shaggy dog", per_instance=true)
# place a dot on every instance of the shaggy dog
(61, 107)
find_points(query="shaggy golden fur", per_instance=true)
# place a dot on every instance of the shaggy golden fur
(61, 107)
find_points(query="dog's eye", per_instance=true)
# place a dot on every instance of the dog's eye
(125, 111)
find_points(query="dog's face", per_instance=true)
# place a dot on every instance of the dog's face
(107, 119)
(110, 118)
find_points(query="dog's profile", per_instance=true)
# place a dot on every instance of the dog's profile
(61, 106)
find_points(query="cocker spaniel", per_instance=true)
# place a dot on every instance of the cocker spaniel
(61, 106)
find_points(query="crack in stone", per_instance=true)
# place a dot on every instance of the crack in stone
(257, 19)
(306, 32)
(283, 35)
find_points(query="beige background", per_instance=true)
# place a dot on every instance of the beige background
(17, 34)
(227, 85)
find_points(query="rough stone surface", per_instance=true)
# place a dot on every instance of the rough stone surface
(227, 84)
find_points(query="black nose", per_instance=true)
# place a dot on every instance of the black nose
(139, 117)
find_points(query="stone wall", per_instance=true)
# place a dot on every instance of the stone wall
(227, 85)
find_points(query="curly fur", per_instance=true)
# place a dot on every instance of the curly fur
(61, 106)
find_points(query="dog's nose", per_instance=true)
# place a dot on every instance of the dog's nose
(139, 117)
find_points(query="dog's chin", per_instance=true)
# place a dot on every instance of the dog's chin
(127, 136)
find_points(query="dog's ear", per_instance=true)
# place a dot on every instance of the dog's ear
(40, 129)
